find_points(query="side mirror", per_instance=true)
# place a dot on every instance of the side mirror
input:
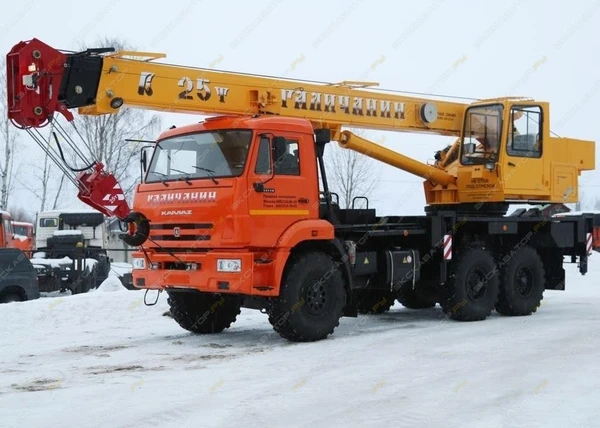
(322, 137)
(279, 148)
(144, 161)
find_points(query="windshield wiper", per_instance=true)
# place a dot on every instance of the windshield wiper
(210, 172)
(186, 176)
(164, 180)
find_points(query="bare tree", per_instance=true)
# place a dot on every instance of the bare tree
(8, 137)
(58, 192)
(351, 174)
(42, 174)
(105, 135)
(21, 214)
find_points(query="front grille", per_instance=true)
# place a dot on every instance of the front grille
(180, 232)
(182, 226)
(179, 250)
(180, 238)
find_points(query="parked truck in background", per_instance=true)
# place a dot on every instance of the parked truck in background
(24, 237)
(70, 250)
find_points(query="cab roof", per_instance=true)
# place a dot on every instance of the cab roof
(271, 123)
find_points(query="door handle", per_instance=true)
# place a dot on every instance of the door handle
(511, 164)
(303, 201)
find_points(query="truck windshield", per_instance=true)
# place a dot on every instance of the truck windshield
(481, 140)
(20, 230)
(203, 155)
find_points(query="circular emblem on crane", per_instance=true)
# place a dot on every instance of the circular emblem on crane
(429, 112)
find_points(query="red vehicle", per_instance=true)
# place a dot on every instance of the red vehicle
(23, 237)
(6, 233)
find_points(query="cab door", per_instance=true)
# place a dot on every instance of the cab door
(522, 169)
(283, 186)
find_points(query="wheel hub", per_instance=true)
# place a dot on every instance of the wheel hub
(316, 298)
(524, 281)
(476, 284)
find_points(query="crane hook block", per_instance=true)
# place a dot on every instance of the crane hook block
(101, 191)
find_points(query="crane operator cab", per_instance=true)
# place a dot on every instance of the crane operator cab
(508, 154)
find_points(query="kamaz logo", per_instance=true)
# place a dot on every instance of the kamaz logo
(179, 212)
(164, 198)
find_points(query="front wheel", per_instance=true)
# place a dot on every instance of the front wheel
(10, 298)
(311, 300)
(204, 313)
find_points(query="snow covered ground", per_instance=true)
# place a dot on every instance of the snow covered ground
(103, 359)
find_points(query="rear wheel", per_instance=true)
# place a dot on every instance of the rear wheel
(471, 292)
(414, 298)
(375, 301)
(204, 313)
(312, 298)
(523, 283)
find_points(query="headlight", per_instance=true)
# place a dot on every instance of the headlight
(229, 265)
(139, 263)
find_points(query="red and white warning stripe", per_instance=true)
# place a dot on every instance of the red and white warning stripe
(111, 199)
(588, 243)
(447, 247)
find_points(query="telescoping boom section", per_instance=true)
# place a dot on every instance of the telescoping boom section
(236, 210)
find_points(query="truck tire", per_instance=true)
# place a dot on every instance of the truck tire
(471, 292)
(204, 313)
(11, 297)
(375, 301)
(522, 284)
(414, 299)
(311, 301)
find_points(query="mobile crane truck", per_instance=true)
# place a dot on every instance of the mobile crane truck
(232, 211)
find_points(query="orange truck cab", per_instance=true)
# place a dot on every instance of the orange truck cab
(23, 236)
(210, 186)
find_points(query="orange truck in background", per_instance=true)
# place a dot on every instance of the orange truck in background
(6, 233)
(23, 237)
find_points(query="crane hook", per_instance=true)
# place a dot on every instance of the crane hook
(138, 229)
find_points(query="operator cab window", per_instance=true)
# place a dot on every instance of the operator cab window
(525, 132)
(481, 140)
(289, 162)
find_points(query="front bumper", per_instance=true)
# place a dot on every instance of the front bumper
(256, 277)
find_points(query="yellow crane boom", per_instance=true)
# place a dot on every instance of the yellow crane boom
(132, 79)
(495, 137)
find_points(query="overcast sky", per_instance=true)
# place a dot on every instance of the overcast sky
(542, 49)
